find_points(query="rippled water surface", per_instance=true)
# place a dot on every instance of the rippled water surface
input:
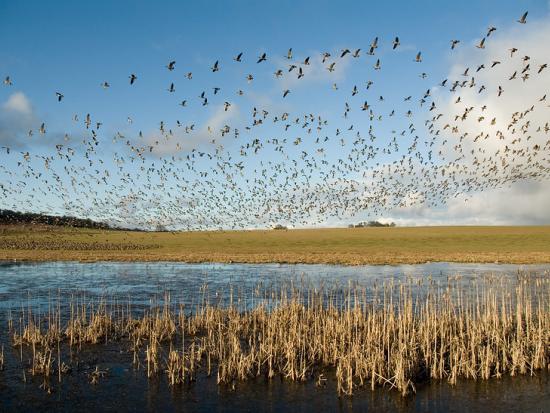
(34, 285)
(21, 281)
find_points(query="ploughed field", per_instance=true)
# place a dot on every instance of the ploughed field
(349, 246)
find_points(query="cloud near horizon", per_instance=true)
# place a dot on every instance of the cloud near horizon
(525, 201)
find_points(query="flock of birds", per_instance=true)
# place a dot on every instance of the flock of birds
(307, 171)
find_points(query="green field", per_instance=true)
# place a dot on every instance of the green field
(333, 246)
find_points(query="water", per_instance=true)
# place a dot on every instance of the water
(34, 284)
(143, 280)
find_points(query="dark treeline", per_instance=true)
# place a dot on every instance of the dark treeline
(364, 224)
(14, 217)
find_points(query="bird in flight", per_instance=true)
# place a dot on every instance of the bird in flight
(374, 44)
(523, 18)
(289, 54)
(395, 42)
(481, 44)
(357, 151)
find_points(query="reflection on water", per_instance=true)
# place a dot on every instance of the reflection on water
(129, 391)
(17, 280)
(28, 284)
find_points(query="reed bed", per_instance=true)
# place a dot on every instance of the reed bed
(394, 334)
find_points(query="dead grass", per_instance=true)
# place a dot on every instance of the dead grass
(394, 335)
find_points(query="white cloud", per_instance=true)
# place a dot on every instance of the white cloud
(518, 95)
(202, 134)
(18, 102)
(518, 200)
(523, 203)
(17, 117)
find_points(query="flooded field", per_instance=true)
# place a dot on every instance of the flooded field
(106, 370)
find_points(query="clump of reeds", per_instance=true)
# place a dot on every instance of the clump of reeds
(396, 334)
(96, 375)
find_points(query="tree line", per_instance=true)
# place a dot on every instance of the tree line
(364, 224)
(13, 217)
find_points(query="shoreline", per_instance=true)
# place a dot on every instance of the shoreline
(184, 260)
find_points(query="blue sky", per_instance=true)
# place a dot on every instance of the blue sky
(72, 47)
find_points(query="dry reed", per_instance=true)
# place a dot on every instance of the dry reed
(396, 334)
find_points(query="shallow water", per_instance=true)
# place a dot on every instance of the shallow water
(34, 284)
(21, 282)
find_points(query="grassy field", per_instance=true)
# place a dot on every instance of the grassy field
(333, 246)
